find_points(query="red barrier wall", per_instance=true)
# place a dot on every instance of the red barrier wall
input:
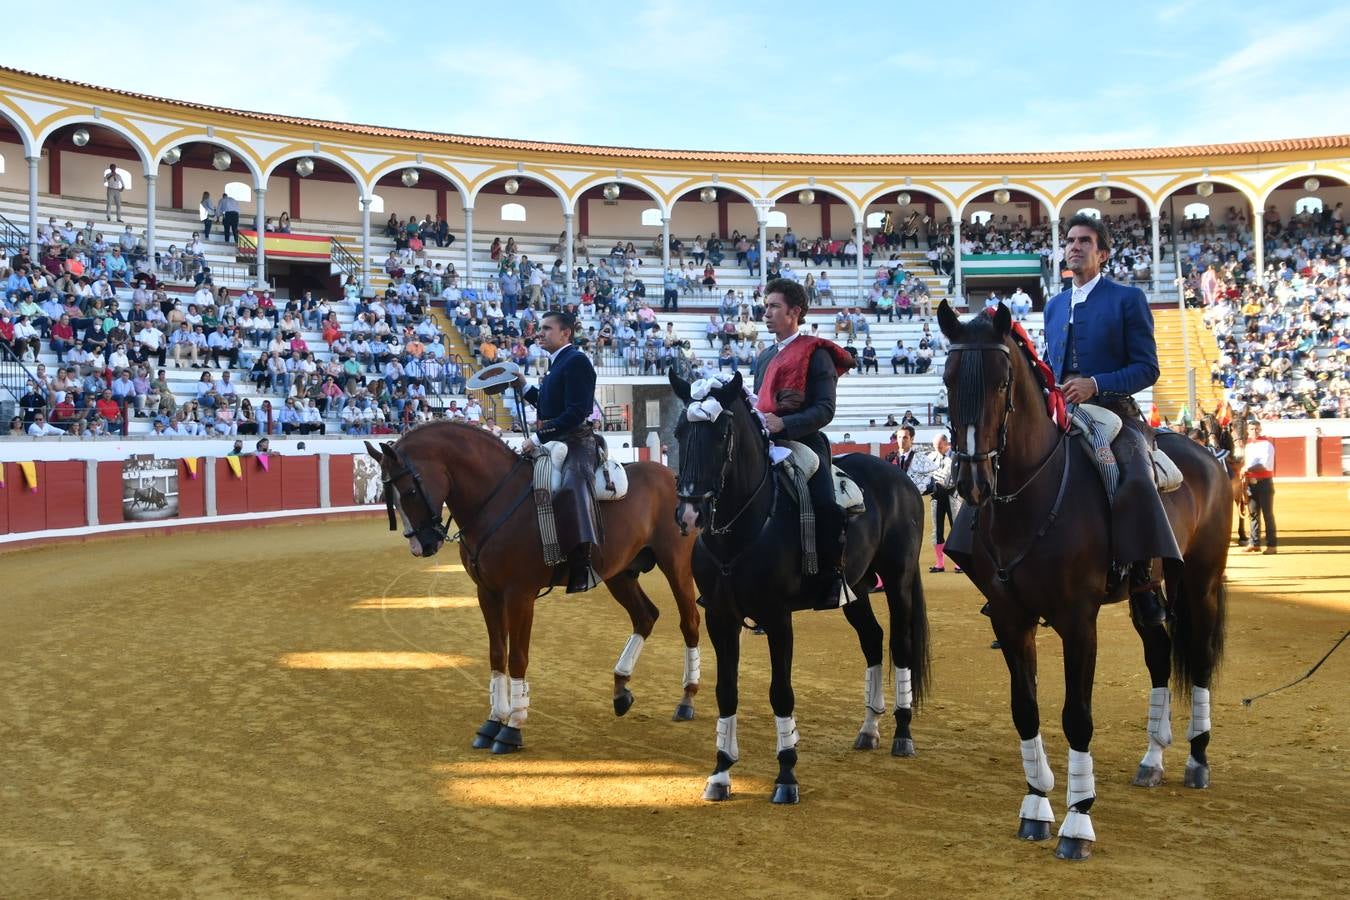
(341, 491)
(300, 482)
(27, 509)
(1290, 457)
(263, 485)
(1329, 456)
(63, 485)
(231, 493)
(110, 506)
(10, 472)
(191, 491)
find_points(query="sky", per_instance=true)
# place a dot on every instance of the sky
(902, 77)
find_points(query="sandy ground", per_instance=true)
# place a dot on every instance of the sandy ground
(287, 711)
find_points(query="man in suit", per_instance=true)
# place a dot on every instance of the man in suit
(1100, 345)
(795, 380)
(565, 397)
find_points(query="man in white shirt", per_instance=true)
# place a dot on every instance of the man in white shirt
(112, 181)
(1259, 472)
(42, 428)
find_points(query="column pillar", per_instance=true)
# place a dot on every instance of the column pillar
(365, 244)
(33, 162)
(209, 487)
(150, 200)
(665, 244)
(1053, 287)
(468, 247)
(1157, 255)
(91, 491)
(259, 222)
(959, 295)
(858, 239)
(569, 261)
(1258, 246)
(326, 476)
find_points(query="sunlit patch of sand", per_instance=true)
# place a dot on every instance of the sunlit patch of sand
(417, 603)
(372, 659)
(514, 782)
(443, 568)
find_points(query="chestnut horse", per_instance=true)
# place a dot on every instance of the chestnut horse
(488, 489)
(1038, 525)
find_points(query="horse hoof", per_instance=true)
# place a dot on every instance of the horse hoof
(1148, 777)
(1197, 776)
(508, 741)
(902, 747)
(623, 702)
(785, 793)
(1034, 830)
(867, 741)
(717, 792)
(1073, 848)
(684, 713)
(486, 734)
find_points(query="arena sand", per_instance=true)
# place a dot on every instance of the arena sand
(286, 712)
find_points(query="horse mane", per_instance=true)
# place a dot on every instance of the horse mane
(451, 431)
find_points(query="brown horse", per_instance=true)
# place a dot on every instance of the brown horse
(487, 488)
(1038, 526)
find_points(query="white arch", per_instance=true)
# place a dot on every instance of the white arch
(25, 136)
(1298, 180)
(529, 176)
(589, 183)
(918, 192)
(1035, 193)
(793, 189)
(448, 175)
(1129, 189)
(300, 153)
(1217, 179)
(720, 186)
(141, 150)
(238, 151)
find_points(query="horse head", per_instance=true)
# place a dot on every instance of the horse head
(412, 496)
(705, 436)
(979, 380)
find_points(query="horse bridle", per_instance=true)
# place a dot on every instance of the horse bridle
(435, 529)
(963, 456)
(711, 498)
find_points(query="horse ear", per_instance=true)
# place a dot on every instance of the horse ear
(374, 451)
(1003, 319)
(947, 320)
(736, 385)
(680, 387)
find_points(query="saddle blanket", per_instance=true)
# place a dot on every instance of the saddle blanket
(611, 478)
(1097, 427)
(847, 494)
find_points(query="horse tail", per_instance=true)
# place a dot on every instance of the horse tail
(920, 654)
(1194, 653)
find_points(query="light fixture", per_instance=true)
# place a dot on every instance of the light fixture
(305, 167)
(1312, 184)
(1001, 196)
(511, 186)
(806, 197)
(409, 177)
(221, 160)
(903, 198)
(1102, 194)
(80, 137)
(172, 155)
(612, 191)
(708, 195)
(1205, 189)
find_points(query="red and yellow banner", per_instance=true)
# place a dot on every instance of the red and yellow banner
(287, 246)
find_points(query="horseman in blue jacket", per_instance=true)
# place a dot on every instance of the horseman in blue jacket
(1100, 345)
(565, 398)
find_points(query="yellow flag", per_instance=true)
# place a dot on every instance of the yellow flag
(29, 470)
(234, 466)
(191, 463)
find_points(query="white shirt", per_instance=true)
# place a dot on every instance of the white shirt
(1260, 452)
(1080, 294)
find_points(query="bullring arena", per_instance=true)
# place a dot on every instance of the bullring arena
(224, 676)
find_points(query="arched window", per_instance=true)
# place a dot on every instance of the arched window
(513, 212)
(875, 219)
(1199, 211)
(1090, 211)
(1304, 205)
(775, 219)
(981, 216)
(651, 217)
(239, 191)
(376, 204)
(2, 163)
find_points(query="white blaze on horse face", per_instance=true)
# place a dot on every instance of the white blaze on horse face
(413, 543)
(970, 439)
(688, 516)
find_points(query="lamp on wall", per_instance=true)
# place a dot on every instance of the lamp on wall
(611, 191)
(221, 160)
(80, 137)
(409, 177)
(511, 186)
(172, 156)
(806, 197)
(1002, 196)
(1102, 194)
(903, 198)
(305, 167)
(1311, 185)
(708, 195)
(1205, 189)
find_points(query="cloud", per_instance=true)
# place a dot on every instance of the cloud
(1279, 47)
(1169, 14)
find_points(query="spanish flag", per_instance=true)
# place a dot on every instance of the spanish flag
(233, 462)
(289, 246)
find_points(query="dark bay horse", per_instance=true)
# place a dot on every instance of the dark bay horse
(1040, 549)
(748, 563)
(487, 488)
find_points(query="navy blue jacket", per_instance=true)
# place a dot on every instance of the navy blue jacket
(565, 397)
(1113, 334)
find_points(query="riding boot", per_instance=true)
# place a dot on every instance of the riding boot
(838, 594)
(1145, 604)
(581, 577)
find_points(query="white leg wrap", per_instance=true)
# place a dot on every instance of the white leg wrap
(1160, 716)
(904, 692)
(520, 702)
(1036, 766)
(1077, 825)
(872, 695)
(692, 671)
(1037, 808)
(723, 778)
(726, 737)
(787, 732)
(629, 657)
(1081, 783)
(1199, 713)
(499, 695)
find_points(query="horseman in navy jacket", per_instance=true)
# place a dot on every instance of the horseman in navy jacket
(565, 398)
(1100, 345)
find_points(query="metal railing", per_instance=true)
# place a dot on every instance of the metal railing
(14, 380)
(349, 265)
(12, 239)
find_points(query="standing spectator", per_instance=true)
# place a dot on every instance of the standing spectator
(206, 211)
(1259, 472)
(112, 181)
(228, 210)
